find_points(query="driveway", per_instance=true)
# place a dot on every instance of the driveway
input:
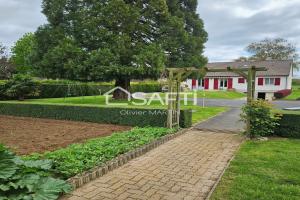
(226, 122)
(236, 103)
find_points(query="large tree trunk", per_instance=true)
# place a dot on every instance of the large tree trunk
(123, 83)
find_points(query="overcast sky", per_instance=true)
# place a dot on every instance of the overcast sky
(231, 24)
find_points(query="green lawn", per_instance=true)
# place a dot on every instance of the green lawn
(214, 94)
(199, 113)
(263, 170)
(295, 93)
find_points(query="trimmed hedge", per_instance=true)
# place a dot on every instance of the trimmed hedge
(282, 93)
(289, 126)
(123, 116)
(56, 89)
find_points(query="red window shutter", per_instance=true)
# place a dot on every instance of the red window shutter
(241, 80)
(216, 84)
(230, 83)
(206, 84)
(260, 81)
(277, 81)
(193, 83)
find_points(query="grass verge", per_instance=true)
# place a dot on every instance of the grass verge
(263, 170)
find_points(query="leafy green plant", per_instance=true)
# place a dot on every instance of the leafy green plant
(29, 180)
(21, 86)
(78, 158)
(262, 122)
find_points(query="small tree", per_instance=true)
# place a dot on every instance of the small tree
(274, 49)
(21, 86)
(21, 53)
(262, 122)
(6, 67)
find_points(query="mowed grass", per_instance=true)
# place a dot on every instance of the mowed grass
(211, 94)
(295, 93)
(266, 170)
(199, 113)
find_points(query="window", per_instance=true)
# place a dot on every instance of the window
(270, 81)
(223, 83)
(241, 80)
(201, 83)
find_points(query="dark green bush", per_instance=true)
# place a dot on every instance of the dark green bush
(29, 179)
(289, 126)
(78, 158)
(123, 116)
(64, 88)
(262, 122)
(21, 86)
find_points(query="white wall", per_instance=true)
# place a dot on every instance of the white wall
(285, 83)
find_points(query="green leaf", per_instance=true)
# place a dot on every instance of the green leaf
(7, 165)
(50, 188)
(40, 164)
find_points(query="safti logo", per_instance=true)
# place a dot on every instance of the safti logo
(144, 99)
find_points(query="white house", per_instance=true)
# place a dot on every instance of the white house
(277, 77)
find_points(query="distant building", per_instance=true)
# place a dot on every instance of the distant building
(278, 77)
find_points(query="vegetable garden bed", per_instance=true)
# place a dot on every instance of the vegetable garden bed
(29, 135)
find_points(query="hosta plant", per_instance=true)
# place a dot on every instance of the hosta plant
(27, 180)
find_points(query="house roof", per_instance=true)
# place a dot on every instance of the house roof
(275, 68)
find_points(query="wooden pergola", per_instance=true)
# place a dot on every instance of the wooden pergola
(177, 75)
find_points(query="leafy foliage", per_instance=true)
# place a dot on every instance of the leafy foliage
(21, 86)
(21, 53)
(29, 179)
(118, 40)
(77, 158)
(125, 116)
(275, 49)
(6, 67)
(289, 125)
(262, 122)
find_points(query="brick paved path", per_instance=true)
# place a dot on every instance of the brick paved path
(186, 167)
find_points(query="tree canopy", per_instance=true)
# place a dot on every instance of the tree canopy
(21, 53)
(274, 49)
(6, 67)
(96, 40)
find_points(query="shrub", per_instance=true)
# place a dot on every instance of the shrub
(289, 126)
(110, 115)
(21, 86)
(78, 158)
(282, 93)
(29, 179)
(262, 123)
(66, 88)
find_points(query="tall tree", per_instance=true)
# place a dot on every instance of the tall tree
(118, 39)
(6, 67)
(21, 53)
(274, 49)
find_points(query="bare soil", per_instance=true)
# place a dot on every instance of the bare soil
(28, 135)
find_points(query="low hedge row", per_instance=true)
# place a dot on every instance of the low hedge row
(122, 116)
(54, 89)
(289, 126)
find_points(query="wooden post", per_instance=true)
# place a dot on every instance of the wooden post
(253, 81)
(170, 103)
(249, 98)
(178, 81)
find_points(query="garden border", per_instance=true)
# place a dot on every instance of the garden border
(83, 178)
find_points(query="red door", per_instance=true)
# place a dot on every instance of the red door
(216, 84)
(206, 84)
(194, 82)
(230, 83)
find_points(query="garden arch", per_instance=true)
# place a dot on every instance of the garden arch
(177, 75)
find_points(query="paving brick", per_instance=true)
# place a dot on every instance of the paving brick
(186, 167)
